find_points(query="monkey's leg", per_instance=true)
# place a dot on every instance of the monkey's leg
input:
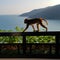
(38, 27)
(26, 28)
(33, 27)
(44, 26)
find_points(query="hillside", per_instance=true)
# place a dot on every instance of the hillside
(52, 12)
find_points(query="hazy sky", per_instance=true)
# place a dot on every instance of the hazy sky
(21, 6)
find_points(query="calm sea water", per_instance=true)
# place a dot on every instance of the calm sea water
(9, 22)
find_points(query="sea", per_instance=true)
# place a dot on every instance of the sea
(9, 22)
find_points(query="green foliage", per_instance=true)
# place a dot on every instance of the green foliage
(10, 39)
(40, 39)
(18, 29)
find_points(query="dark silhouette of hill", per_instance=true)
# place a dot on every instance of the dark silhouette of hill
(51, 12)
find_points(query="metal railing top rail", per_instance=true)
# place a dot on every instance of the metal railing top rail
(29, 33)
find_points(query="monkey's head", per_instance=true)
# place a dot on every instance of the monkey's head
(26, 20)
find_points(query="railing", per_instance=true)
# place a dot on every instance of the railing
(24, 44)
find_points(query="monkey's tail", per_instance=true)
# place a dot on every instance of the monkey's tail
(45, 21)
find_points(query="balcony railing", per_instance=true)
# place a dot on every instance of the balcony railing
(26, 48)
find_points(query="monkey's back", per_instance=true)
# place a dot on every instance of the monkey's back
(35, 20)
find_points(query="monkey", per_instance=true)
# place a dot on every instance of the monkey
(37, 21)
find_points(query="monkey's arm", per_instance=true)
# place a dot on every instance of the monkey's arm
(26, 28)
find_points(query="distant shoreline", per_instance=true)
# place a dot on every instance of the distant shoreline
(45, 18)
